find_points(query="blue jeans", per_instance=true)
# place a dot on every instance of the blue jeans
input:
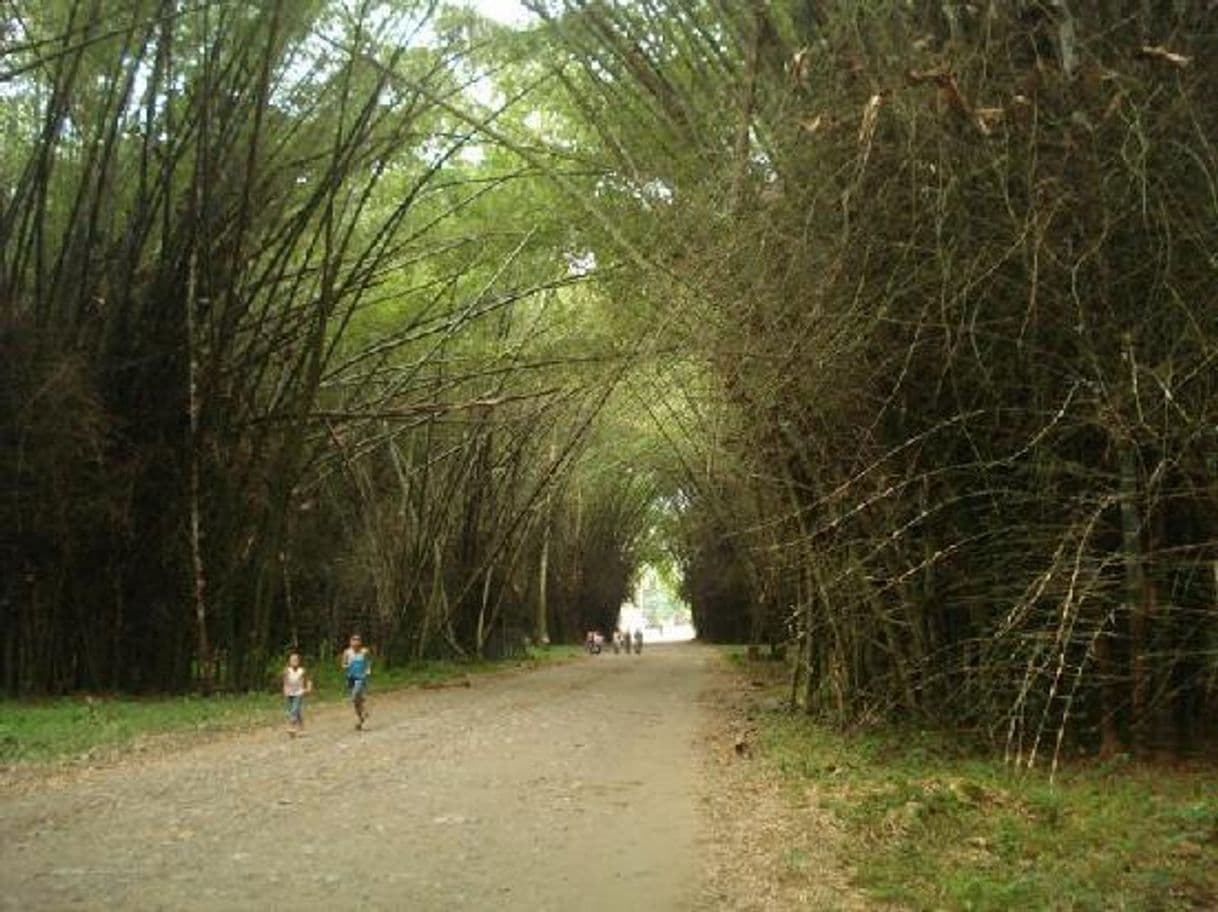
(296, 709)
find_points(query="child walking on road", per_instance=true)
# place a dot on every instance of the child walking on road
(296, 684)
(357, 663)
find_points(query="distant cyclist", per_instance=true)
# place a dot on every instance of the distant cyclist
(357, 663)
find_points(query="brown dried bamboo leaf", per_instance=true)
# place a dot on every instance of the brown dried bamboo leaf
(871, 113)
(799, 67)
(1159, 52)
(813, 125)
(988, 119)
(939, 75)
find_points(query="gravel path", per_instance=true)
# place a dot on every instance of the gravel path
(574, 787)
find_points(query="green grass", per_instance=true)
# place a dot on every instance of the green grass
(83, 728)
(74, 728)
(738, 655)
(933, 825)
(735, 655)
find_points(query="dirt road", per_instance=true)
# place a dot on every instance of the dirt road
(573, 787)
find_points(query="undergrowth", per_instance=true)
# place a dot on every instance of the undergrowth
(933, 823)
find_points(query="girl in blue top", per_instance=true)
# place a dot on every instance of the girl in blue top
(357, 663)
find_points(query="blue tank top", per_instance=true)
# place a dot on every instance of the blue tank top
(357, 666)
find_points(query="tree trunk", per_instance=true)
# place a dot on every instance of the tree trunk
(1110, 736)
(542, 621)
(203, 644)
(1139, 599)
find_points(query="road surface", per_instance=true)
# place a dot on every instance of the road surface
(567, 788)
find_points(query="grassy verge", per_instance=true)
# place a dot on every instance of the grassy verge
(84, 728)
(931, 824)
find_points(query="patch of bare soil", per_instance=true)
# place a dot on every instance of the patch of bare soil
(763, 850)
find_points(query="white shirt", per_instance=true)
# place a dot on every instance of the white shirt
(293, 682)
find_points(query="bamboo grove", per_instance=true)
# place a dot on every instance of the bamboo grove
(891, 324)
(948, 271)
(282, 358)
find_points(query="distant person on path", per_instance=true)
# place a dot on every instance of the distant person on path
(638, 642)
(618, 642)
(357, 663)
(296, 684)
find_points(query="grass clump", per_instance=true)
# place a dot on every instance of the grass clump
(89, 727)
(935, 825)
(84, 728)
(737, 656)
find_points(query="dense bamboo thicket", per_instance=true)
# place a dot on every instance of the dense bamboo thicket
(950, 268)
(286, 351)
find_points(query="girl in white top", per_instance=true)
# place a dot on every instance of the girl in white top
(296, 684)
